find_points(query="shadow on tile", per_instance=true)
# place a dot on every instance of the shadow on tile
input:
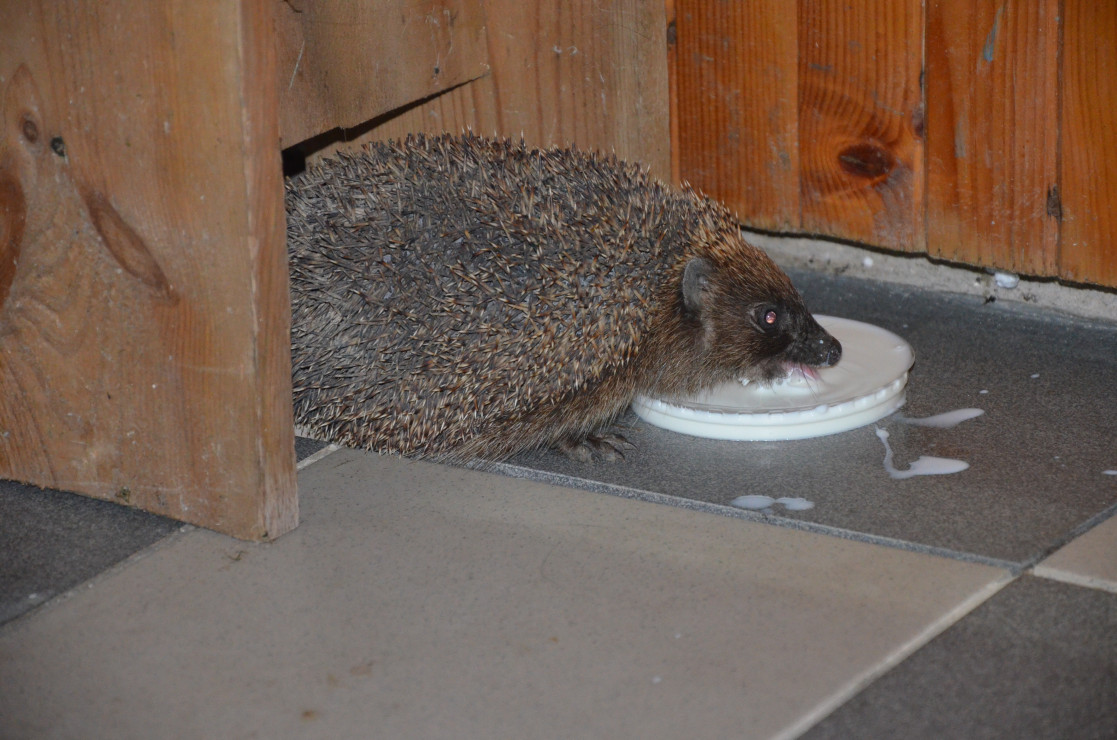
(51, 541)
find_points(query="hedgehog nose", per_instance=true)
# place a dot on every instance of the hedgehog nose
(833, 353)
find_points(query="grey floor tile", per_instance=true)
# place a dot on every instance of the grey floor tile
(305, 447)
(420, 600)
(1038, 456)
(51, 541)
(1038, 660)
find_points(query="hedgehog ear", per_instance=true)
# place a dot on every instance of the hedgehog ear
(696, 282)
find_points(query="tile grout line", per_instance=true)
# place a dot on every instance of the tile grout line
(610, 489)
(1037, 568)
(824, 708)
(1071, 536)
(1074, 579)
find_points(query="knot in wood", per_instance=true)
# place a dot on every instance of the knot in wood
(29, 129)
(866, 160)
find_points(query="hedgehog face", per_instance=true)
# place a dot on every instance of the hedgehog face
(790, 340)
(754, 324)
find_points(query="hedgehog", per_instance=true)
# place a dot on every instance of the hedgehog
(459, 297)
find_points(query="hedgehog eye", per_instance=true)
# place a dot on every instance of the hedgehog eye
(768, 318)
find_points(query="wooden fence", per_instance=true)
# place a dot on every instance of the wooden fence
(979, 131)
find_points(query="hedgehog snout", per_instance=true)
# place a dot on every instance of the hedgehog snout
(818, 349)
(831, 349)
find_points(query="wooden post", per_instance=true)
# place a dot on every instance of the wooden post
(144, 313)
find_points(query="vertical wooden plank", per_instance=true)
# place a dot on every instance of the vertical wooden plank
(343, 63)
(144, 352)
(470, 106)
(861, 120)
(592, 73)
(736, 67)
(1088, 167)
(992, 132)
(273, 501)
(670, 11)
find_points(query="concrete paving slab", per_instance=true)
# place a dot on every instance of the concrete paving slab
(418, 600)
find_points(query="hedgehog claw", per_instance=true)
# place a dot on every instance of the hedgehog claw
(588, 449)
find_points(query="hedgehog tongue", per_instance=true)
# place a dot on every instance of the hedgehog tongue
(794, 371)
(806, 371)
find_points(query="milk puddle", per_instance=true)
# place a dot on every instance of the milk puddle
(925, 465)
(756, 503)
(928, 464)
(949, 420)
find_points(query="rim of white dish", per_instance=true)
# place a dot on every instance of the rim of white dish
(866, 385)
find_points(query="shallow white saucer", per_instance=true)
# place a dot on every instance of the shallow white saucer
(866, 385)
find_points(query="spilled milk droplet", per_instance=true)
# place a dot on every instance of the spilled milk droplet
(943, 421)
(925, 465)
(757, 503)
(931, 465)
(795, 504)
(752, 502)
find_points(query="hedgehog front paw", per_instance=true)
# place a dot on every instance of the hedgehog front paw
(593, 447)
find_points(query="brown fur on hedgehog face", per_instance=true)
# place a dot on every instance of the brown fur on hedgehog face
(734, 314)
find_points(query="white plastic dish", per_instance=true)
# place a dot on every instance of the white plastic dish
(866, 385)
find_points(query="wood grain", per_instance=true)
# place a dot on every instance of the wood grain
(736, 69)
(592, 73)
(992, 127)
(589, 73)
(271, 425)
(860, 120)
(143, 338)
(1088, 124)
(969, 156)
(343, 63)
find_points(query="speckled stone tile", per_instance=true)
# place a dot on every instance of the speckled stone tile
(419, 600)
(1038, 660)
(1037, 457)
(305, 447)
(51, 541)
(1088, 560)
